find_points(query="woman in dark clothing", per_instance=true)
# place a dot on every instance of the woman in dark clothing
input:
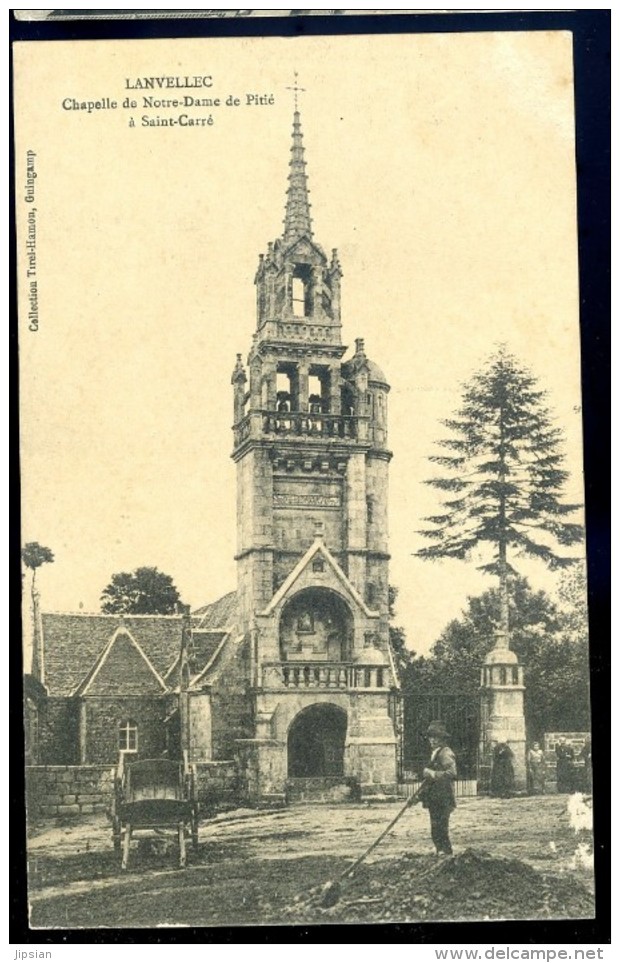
(565, 756)
(502, 774)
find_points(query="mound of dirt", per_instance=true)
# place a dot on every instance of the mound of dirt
(473, 885)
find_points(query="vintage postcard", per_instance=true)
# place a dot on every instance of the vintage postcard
(301, 449)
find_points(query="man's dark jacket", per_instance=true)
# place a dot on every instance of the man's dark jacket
(438, 793)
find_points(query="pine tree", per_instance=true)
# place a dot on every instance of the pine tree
(503, 477)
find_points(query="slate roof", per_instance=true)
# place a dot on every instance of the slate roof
(221, 614)
(74, 642)
(205, 643)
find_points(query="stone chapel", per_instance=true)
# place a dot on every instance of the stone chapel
(291, 676)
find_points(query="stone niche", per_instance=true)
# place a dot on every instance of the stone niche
(316, 626)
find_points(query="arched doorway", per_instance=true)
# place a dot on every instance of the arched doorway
(316, 742)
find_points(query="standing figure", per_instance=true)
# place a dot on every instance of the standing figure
(565, 756)
(537, 769)
(438, 793)
(502, 774)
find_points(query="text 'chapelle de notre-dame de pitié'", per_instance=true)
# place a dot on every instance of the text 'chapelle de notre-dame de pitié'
(167, 97)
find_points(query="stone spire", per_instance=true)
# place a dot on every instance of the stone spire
(297, 220)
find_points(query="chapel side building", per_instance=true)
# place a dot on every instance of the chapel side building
(310, 445)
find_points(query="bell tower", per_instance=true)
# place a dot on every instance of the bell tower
(310, 444)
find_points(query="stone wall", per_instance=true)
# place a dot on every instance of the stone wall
(76, 791)
(103, 716)
(326, 789)
(68, 791)
(216, 782)
(58, 740)
(231, 704)
(574, 739)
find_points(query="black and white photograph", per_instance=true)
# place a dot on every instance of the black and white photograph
(301, 446)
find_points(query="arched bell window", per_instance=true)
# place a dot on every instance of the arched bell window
(301, 291)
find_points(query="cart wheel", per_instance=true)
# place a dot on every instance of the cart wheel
(116, 830)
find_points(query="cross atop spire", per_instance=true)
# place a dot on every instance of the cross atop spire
(297, 221)
(296, 90)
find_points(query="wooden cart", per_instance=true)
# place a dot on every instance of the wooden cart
(153, 794)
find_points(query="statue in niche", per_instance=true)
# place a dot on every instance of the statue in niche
(305, 622)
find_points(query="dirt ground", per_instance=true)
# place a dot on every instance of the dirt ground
(514, 859)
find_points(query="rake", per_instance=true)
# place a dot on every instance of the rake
(331, 892)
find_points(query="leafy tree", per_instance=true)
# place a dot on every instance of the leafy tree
(403, 656)
(555, 660)
(145, 591)
(573, 602)
(33, 557)
(502, 480)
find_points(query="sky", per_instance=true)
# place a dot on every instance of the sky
(442, 167)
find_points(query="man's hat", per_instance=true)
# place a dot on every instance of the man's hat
(437, 729)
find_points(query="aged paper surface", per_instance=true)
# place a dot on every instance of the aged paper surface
(150, 174)
(147, 239)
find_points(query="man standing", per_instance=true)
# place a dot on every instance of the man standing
(438, 793)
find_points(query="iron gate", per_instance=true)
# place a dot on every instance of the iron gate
(461, 717)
